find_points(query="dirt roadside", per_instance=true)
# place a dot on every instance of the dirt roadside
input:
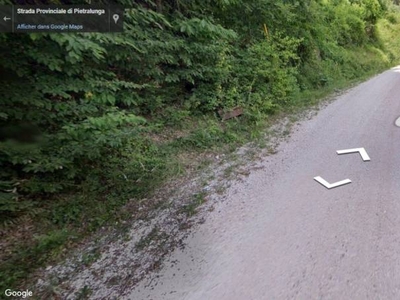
(114, 260)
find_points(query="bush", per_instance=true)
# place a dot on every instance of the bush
(87, 97)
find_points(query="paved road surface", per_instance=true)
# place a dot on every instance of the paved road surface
(282, 235)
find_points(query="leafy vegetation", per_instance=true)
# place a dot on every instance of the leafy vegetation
(82, 115)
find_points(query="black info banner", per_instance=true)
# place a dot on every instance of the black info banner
(61, 18)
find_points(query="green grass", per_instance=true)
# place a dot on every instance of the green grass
(92, 256)
(145, 241)
(190, 209)
(84, 293)
(31, 254)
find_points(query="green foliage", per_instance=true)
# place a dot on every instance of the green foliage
(85, 96)
(79, 111)
(191, 208)
(64, 119)
(387, 32)
(45, 246)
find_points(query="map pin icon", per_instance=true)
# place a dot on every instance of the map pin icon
(115, 17)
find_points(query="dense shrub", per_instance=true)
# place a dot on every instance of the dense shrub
(71, 104)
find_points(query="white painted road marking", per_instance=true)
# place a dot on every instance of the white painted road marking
(362, 151)
(397, 122)
(333, 185)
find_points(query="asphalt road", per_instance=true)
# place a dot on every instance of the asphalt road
(282, 235)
